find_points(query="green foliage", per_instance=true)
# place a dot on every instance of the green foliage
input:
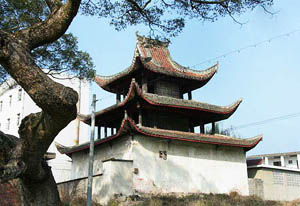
(167, 16)
(220, 130)
(60, 56)
(163, 17)
(19, 14)
(63, 56)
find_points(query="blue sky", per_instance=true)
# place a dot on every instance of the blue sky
(267, 76)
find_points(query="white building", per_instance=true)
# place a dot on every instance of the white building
(15, 104)
(275, 176)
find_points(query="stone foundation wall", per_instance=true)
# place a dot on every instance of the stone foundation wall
(256, 187)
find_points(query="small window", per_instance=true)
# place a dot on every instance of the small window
(290, 162)
(20, 95)
(10, 100)
(277, 163)
(163, 155)
(18, 119)
(8, 124)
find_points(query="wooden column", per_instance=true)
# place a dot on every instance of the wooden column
(190, 95)
(181, 95)
(144, 84)
(140, 114)
(99, 132)
(202, 129)
(118, 97)
(105, 131)
(213, 127)
(191, 127)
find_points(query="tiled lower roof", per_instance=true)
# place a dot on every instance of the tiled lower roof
(128, 126)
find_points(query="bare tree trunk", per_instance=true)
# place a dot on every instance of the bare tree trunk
(21, 159)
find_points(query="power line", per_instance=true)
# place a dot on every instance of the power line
(247, 47)
(283, 117)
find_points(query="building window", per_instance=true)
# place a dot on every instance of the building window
(8, 124)
(10, 100)
(1, 104)
(277, 163)
(18, 119)
(20, 95)
(293, 179)
(278, 178)
(290, 162)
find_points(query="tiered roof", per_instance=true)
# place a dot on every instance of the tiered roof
(154, 57)
(128, 126)
(212, 113)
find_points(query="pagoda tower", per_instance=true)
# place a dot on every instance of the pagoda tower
(151, 91)
(146, 141)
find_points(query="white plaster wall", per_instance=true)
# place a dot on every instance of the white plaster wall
(189, 167)
(61, 165)
(118, 149)
(294, 162)
(116, 179)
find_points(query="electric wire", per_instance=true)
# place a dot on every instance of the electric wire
(247, 47)
(283, 117)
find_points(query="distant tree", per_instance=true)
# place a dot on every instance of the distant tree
(220, 130)
(32, 38)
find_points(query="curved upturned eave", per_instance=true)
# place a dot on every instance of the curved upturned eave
(185, 72)
(160, 62)
(203, 76)
(128, 126)
(157, 100)
(190, 104)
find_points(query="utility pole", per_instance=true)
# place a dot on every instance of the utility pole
(78, 111)
(91, 155)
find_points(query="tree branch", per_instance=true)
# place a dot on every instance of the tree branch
(12, 171)
(209, 2)
(52, 28)
(53, 4)
(7, 141)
